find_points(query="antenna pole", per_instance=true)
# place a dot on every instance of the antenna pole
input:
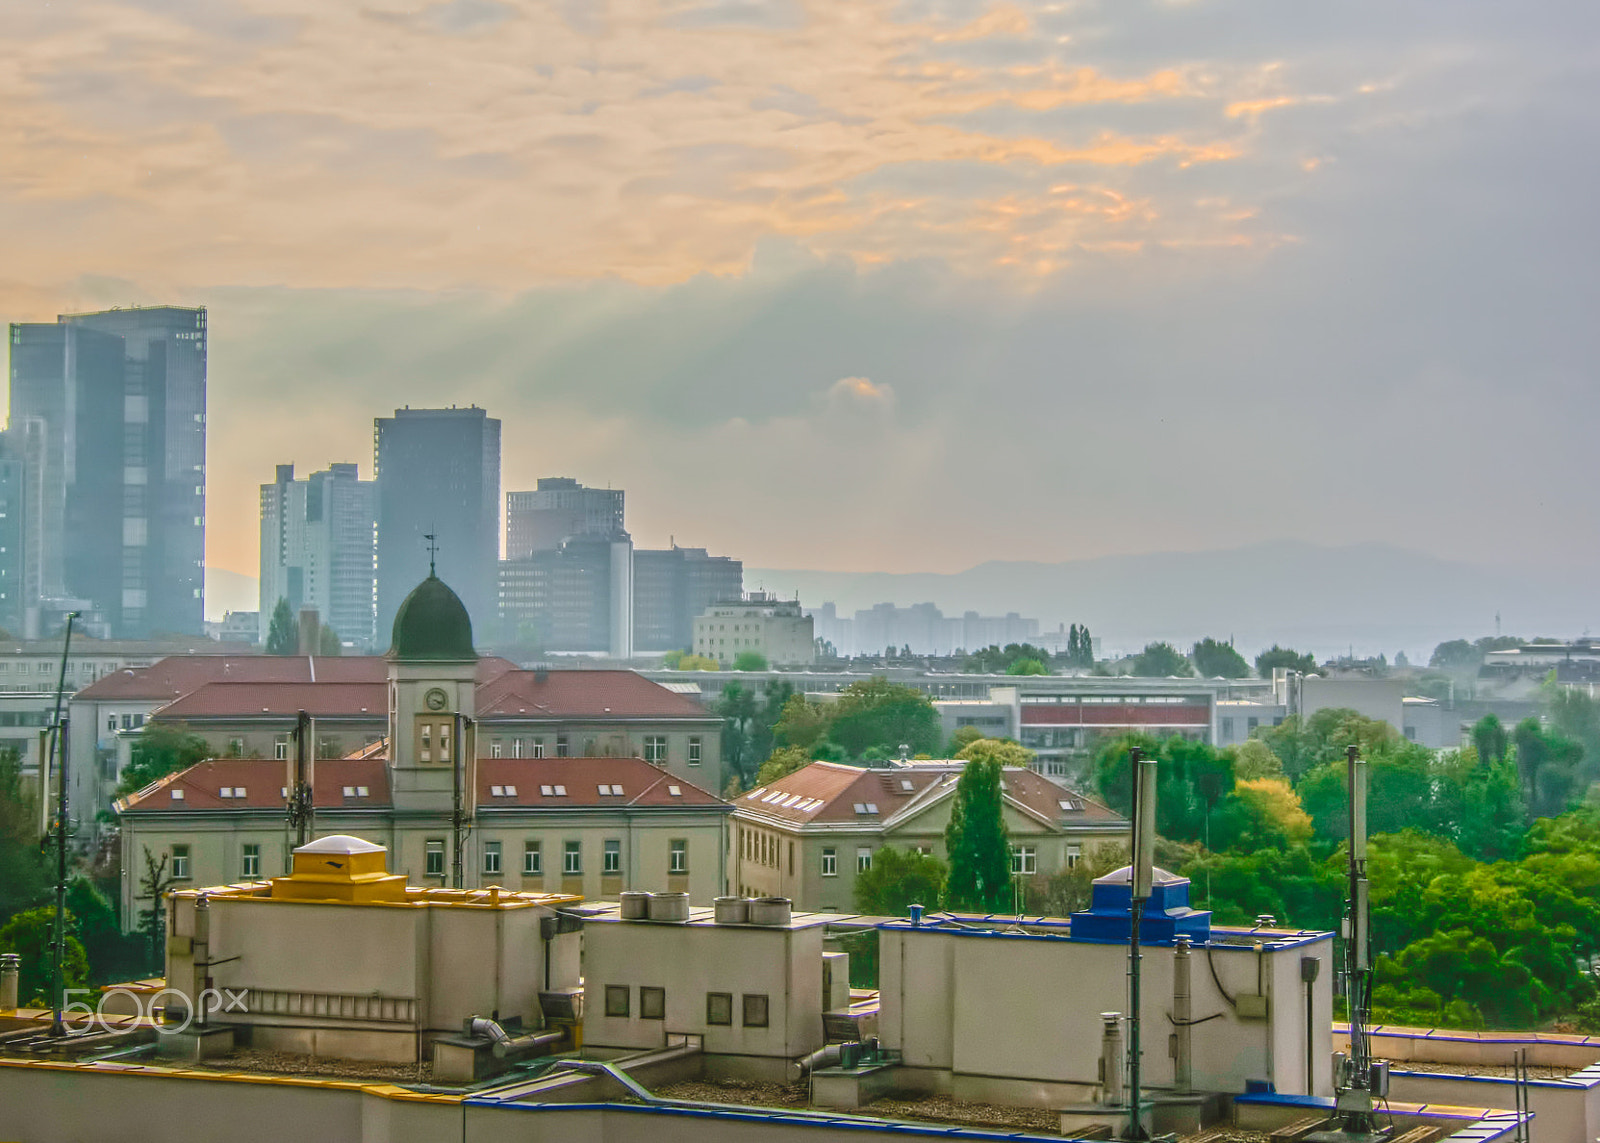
(1143, 773)
(302, 808)
(58, 942)
(457, 824)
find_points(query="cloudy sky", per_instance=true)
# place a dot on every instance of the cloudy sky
(861, 285)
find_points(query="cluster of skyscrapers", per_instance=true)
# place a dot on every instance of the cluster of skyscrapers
(571, 583)
(103, 474)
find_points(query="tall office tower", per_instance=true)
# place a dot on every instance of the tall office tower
(575, 599)
(438, 473)
(13, 529)
(671, 587)
(558, 510)
(120, 399)
(319, 549)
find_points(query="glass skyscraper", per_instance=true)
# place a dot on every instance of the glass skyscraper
(119, 400)
(438, 473)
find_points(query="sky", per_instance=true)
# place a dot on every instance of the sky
(858, 285)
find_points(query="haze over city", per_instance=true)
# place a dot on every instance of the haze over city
(861, 287)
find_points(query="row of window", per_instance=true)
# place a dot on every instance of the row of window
(571, 857)
(433, 858)
(1024, 859)
(655, 748)
(754, 1007)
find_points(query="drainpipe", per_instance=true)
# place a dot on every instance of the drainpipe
(1183, 1015)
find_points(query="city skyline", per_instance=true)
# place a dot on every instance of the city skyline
(1179, 276)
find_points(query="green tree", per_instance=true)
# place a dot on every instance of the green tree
(750, 661)
(1275, 656)
(1001, 750)
(1216, 660)
(784, 760)
(876, 712)
(30, 934)
(1160, 661)
(328, 642)
(283, 630)
(996, 660)
(899, 878)
(1027, 667)
(111, 955)
(802, 723)
(24, 875)
(1253, 758)
(1456, 656)
(1548, 763)
(1491, 739)
(1080, 647)
(976, 840)
(748, 721)
(1575, 715)
(963, 737)
(161, 748)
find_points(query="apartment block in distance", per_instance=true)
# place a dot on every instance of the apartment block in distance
(118, 402)
(319, 550)
(776, 629)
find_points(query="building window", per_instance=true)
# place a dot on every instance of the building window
(494, 749)
(1227, 729)
(863, 859)
(755, 1009)
(830, 862)
(694, 751)
(719, 1008)
(280, 749)
(180, 863)
(1024, 859)
(491, 857)
(655, 748)
(1074, 855)
(617, 1000)
(678, 856)
(250, 862)
(572, 858)
(1251, 723)
(561, 746)
(538, 748)
(235, 748)
(433, 858)
(532, 858)
(652, 1003)
(611, 862)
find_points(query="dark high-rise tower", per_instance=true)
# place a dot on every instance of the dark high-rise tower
(119, 400)
(438, 471)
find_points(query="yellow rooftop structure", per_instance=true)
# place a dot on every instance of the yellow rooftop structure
(340, 868)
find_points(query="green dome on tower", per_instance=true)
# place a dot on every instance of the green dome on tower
(432, 625)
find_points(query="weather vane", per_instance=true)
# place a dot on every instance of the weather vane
(433, 551)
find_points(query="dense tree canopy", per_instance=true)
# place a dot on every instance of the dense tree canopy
(750, 661)
(1219, 660)
(161, 748)
(899, 878)
(1001, 750)
(1275, 656)
(995, 660)
(876, 712)
(1160, 661)
(283, 630)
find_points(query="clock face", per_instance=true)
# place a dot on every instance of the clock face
(436, 699)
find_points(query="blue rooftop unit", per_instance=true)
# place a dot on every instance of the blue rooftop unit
(1166, 913)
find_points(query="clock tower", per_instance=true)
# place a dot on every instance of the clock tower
(432, 679)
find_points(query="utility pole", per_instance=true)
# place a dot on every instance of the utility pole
(58, 942)
(300, 803)
(1140, 875)
(457, 817)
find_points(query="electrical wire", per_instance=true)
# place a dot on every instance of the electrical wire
(1217, 980)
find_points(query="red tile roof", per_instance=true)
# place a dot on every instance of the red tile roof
(280, 700)
(831, 792)
(582, 694)
(528, 779)
(262, 781)
(178, 675)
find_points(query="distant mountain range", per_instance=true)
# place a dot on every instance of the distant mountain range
(1375, 597)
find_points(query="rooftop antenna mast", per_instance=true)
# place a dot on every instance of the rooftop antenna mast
(302, 810)
(433, 552)
(1140, 876)
(61, 828)
(1359, 1080)
(458, 808)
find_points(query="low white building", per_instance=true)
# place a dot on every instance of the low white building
(776, 629)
